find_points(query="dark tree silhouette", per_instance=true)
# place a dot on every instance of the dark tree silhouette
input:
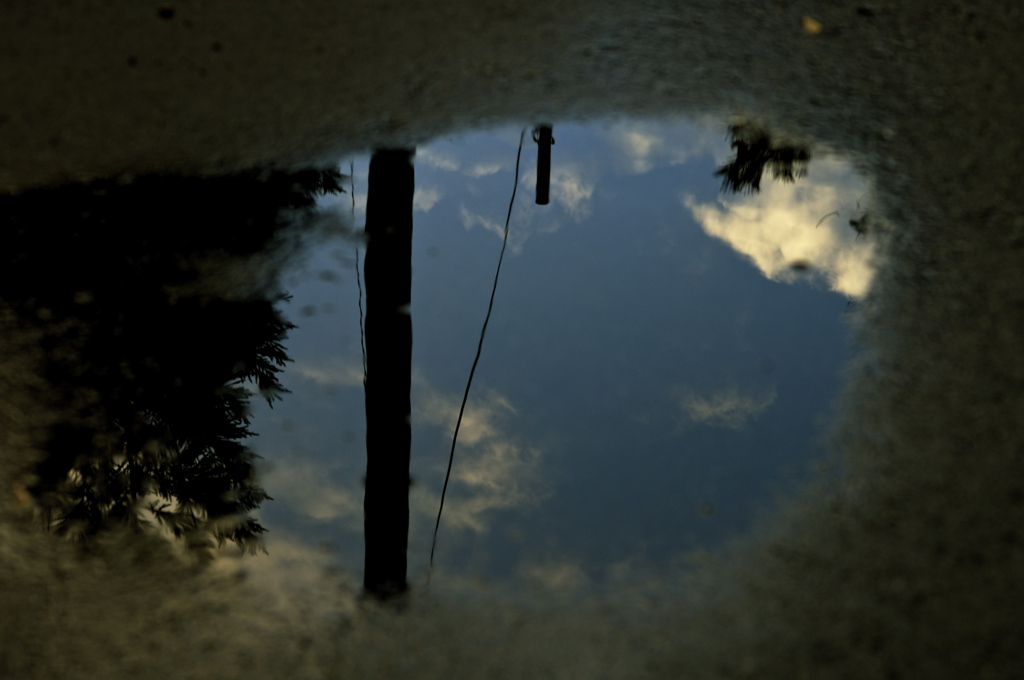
(388, 273)
(154, 370)
(166, 432)
(754, 153)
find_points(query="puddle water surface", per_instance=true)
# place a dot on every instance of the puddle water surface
(660, 370)
(661, 363)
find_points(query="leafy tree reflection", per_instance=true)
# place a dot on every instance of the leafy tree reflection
(755, 151)
(153, 369)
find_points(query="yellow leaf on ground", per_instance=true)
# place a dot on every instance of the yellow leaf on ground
(811, 25)
(22, 496)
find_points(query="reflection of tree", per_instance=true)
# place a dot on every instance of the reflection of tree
(754, 153)
(155, 381)
(172, 410)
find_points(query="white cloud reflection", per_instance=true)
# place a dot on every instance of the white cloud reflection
(423, 198)
(332, 373)
(493, 470)
(633, 147)
(485, 169)
(437, 157)
(731, 407)
(555, 576)
(306, 487)
(779, 228)
(516, 237)
(469, 162)
(572, 187)
(293, 577)
(643, 145)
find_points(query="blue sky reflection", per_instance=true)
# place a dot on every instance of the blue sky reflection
(656, 369)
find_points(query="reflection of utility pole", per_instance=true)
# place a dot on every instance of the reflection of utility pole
(542, 135)
(388, 272)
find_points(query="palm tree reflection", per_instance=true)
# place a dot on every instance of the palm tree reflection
(755, 152)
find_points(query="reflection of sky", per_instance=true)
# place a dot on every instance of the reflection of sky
(655, 369)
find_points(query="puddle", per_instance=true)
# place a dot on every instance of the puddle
(661, 363)
(679, 363)
(660, 369)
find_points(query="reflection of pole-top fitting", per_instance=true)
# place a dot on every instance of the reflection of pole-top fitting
(538, 130)
(542, 135)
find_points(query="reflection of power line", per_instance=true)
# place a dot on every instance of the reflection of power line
(479, 347)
